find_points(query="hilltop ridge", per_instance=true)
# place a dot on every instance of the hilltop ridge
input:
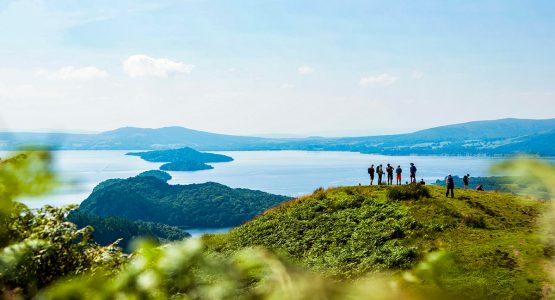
(348, 232)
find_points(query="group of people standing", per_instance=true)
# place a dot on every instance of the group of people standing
(389, 170)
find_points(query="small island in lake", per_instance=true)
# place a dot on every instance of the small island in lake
(187, 165)
(183, 159)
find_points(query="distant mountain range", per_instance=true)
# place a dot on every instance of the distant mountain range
(496, 137)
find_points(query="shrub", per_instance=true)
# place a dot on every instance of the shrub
(408, 192)
(474, 221)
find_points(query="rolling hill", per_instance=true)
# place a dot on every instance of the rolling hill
(351, 232)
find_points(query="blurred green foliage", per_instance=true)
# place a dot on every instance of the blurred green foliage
(39, 247)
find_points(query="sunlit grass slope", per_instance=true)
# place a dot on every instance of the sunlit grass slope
(350, 231)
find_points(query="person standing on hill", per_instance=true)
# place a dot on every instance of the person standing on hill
(380, 174)
(389, 170)
(371, 171)
(450, 186)
(399, 171)
(412, 173)
(465, 181)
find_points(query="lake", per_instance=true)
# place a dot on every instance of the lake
(290, 173)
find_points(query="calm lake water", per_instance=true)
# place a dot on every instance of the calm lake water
(291, 173)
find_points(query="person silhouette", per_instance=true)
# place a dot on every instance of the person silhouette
(371, 172)
(380, 174)
(389, 170)
(399, 171)
(412, 173)
(450, 182)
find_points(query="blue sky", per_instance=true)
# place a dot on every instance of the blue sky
(261, 67)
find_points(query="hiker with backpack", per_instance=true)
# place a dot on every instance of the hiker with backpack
(465, 181)
(389, 170)
(380, 174)
(371, 171)
(412, 173)
(450, 182)
(398, 171)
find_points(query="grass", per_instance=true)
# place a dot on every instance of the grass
(349, 232)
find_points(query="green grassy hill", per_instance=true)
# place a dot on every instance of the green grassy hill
(351, 231)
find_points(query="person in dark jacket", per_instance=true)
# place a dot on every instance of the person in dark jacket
(371, 172)
(380, 174)
(465, 181)
(389, 170)
(398, 171)
(412, 173)
(450, 186)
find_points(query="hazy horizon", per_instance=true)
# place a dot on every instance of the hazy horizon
(346, 133)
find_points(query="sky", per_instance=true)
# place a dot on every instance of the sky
(268, 67)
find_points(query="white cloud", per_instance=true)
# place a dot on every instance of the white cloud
(73, 73)
(142, 65)
(417, 74)
(383, 79)
(305, 70)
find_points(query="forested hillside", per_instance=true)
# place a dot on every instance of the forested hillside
(107, 230)
(151, 199)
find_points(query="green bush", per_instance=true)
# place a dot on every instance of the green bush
(408, 192)
(474, 221)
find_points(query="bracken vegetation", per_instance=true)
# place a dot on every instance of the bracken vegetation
(350, 232)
